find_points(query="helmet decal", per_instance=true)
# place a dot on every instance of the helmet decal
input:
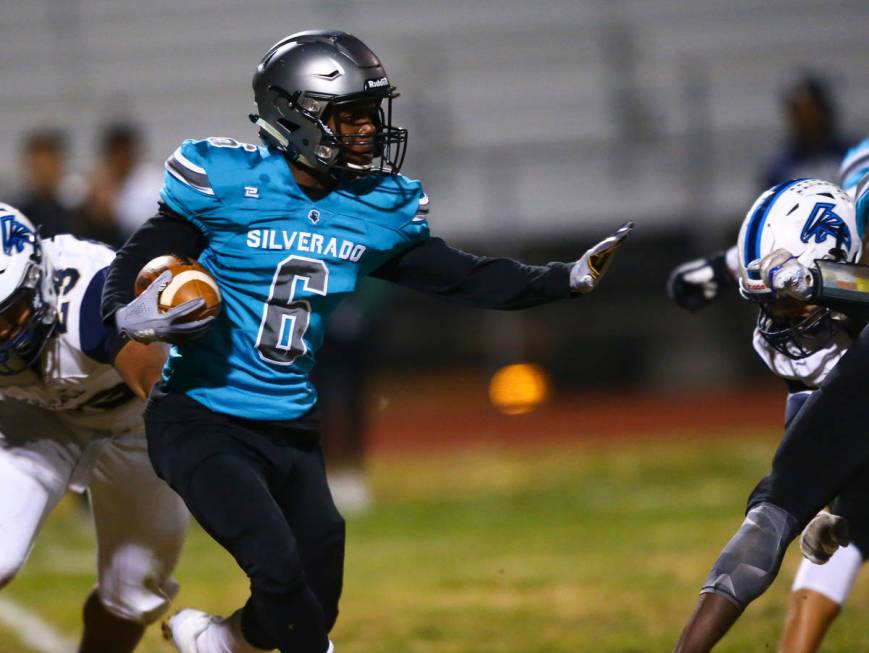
(758, 220)
(14, 234)
(823, 221)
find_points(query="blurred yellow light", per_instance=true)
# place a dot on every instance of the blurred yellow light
(517, 389)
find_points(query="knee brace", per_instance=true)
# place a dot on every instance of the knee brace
(750, 561)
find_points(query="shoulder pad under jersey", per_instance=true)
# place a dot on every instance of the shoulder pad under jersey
(393, 201)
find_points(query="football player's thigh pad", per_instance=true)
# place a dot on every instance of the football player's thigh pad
(140, 524)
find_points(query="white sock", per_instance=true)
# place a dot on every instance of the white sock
(224, 636)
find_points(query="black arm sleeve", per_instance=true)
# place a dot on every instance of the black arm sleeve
(165, 233)
(435, 268)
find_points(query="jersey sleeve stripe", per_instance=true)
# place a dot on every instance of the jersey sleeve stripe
(852, 166)
(422, 209)
(178, 155)
(188, 176)
(862, 187)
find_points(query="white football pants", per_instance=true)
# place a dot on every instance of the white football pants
(140, 522)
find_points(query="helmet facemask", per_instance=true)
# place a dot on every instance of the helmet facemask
(303, 131)
(797, 335)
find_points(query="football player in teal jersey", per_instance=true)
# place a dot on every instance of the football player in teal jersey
(287, 229)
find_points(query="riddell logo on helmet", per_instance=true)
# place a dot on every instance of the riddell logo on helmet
(376, 83)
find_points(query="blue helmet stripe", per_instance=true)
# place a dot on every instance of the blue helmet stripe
(758, 220)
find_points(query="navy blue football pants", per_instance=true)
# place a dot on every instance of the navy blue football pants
(259, 489)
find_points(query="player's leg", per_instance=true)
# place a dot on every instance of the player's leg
(823, 449)
(819, 591)
(817, 595)
(25, 502)
(742, 572)
(223, 471)
(307, 503)
(34, 473)
(810, 615)
(140, 525)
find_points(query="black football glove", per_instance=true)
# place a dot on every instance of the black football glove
(695, 284)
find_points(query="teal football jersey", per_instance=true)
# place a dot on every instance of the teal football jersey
(854, 177)
(283, 262)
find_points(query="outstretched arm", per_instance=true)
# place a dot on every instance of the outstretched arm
(436, 268)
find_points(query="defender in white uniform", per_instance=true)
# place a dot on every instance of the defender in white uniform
(818, 591)
(802, 220)
(71, 400)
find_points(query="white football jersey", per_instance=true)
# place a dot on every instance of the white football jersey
(811, 370)
(75, 377)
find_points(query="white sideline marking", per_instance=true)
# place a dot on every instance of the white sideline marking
(33, 631)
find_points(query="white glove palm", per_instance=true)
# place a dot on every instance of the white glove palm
(587, 272)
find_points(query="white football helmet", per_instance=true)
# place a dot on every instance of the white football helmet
(812, 219)
(28, 299)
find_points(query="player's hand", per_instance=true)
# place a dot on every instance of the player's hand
(778, 274)
(696, 283)
(142, 320)
(587, 272)
(823, 535)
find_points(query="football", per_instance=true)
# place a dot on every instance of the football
(189, 281)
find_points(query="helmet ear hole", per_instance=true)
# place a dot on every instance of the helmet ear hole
(288, 125)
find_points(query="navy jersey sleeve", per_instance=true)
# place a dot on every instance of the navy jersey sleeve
(97, 340)
(435, 268)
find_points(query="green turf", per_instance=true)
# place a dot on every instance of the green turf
(597, 548)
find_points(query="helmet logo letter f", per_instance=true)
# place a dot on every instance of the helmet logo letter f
(823, 222)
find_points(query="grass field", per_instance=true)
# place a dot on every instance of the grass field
(588, 547)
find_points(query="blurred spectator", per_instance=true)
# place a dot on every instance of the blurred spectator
(123, 190)
(43, 162)
(814, 145)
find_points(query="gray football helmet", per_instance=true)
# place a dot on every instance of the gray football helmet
(305, 76)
